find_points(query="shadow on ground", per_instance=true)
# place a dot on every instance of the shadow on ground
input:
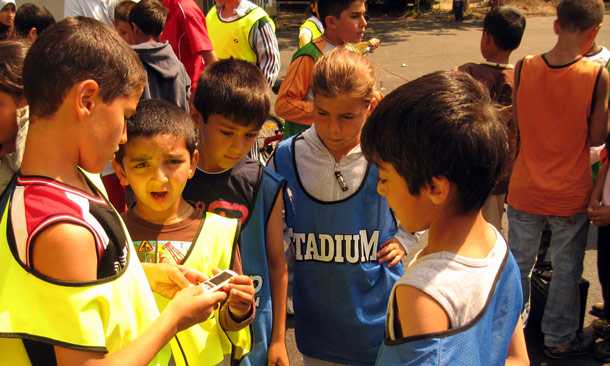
(390, 30)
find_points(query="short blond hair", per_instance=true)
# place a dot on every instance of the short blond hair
(344, 72)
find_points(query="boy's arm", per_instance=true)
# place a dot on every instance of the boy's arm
(278, 273)
(598, 122)
(239, 310)
(517, 350)
(291, 104)
(267, 50)
(420, 314)
(598, 188)
(66, 252)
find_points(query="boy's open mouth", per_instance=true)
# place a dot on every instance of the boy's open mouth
(158, 195)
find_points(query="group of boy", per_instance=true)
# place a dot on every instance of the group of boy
(168, 225)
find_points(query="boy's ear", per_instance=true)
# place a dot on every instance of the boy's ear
(194, 161)
(32, 34)
(86, 93)
(330, 22)
(120, 173)
(439, 190)
(556, 26)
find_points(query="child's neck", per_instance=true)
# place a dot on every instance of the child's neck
(175, 214)
(466, 235)
(210, 167)
(228, 10)
(45, 156)
(566, 50)
(333, 39)
(499, 58)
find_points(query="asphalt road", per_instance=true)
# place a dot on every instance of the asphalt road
(411, 48)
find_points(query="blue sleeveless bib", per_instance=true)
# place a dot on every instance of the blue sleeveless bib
(483, 342)
(340, 291)
(253, 247)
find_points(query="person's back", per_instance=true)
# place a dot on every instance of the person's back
(459, 301)
(167, 77)
(343, 22)
(243, 30)
(502, 33)
(561, 109)
(186, 31)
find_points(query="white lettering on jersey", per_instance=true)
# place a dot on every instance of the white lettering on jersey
(340, 248)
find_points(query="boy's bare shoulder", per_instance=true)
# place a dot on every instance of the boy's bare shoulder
(65, 252)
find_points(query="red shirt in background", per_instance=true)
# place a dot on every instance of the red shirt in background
(186, 31)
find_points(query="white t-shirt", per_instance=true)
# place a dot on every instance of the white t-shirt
(102, 10)
(461, 285)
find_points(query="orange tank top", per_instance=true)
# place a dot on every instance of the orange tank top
(551, 175)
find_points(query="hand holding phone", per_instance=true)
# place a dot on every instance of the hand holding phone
(218, 281)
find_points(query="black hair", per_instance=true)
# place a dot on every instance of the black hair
(30, 16)
(333, 8)
(159, 117)
(440, 125)
(149, 16)
(506, 26)
(579, 15)
(234, 89)
(74, 50)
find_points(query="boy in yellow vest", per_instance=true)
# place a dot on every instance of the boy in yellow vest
(312, 28)
(243, 30)
(156, 162)
(87, 299)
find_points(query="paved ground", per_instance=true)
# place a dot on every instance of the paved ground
(411, 48)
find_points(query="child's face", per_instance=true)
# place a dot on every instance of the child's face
(224, 143)
(103, 131)
(339, 121)
(124, 30)
(413, 212)
(7, 15)
(157, 169)
(8, 119)
(350, 26)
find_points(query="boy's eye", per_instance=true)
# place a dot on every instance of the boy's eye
(226, 133)
(176, 161)
(322, 113)
(140, 165)
(348, 116)
(251, 135)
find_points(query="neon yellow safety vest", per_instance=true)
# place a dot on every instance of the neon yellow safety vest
(313, 27)
(103, 316)
(207, 343)
(232, 39)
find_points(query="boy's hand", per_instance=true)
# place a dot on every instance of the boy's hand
(241, 297)
(277, 354)
(167, 280)
(192, 305)
(391, 252)
(600, 216)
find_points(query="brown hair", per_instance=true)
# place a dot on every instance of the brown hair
(123, 9)
(77, 49)
(579, 15)
(343, 72)
(12, 55)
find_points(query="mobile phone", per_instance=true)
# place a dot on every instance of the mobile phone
(218, 281)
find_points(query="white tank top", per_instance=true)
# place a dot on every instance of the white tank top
(461, 285)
